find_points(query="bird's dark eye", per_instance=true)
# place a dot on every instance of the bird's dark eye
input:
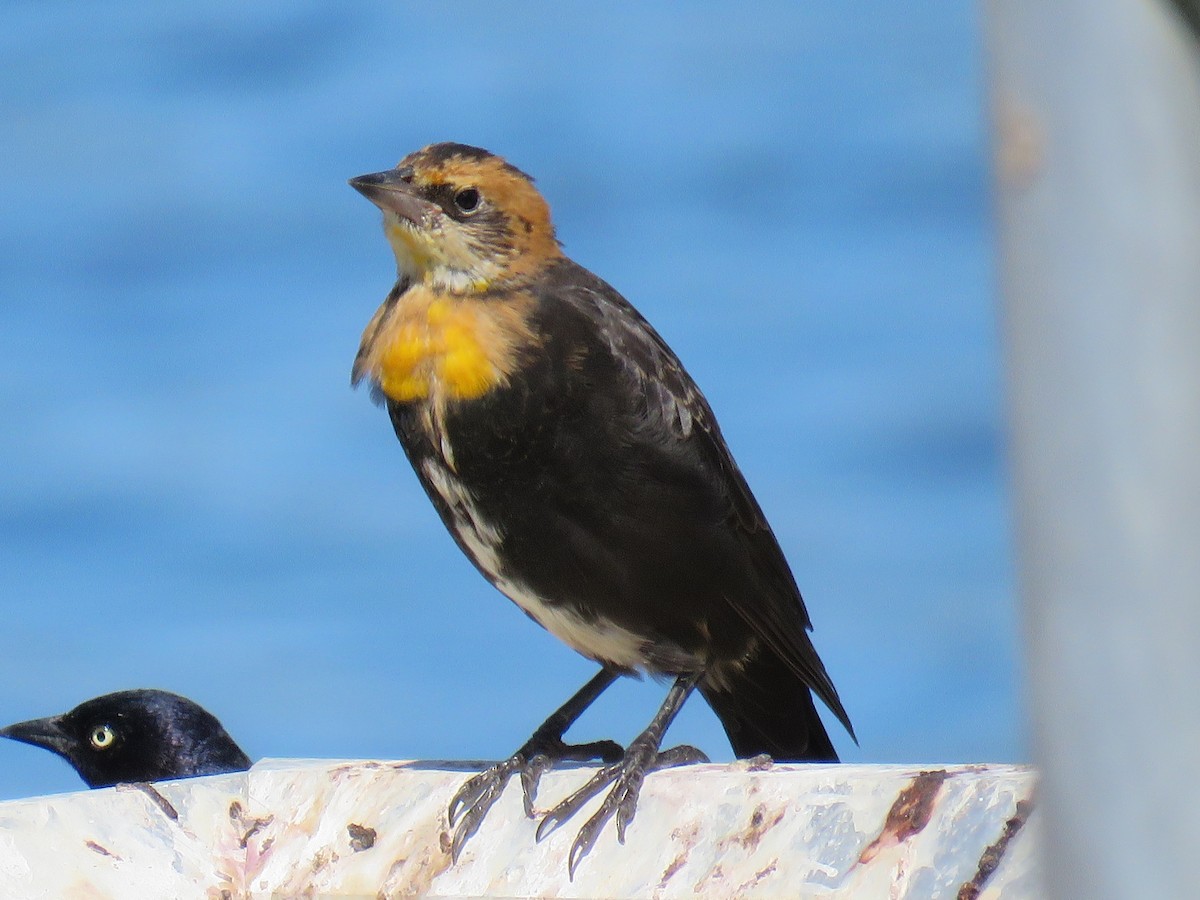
(467, 200)
(102, 737)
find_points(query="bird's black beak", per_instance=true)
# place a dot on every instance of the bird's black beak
(46, 733)
(392, 193)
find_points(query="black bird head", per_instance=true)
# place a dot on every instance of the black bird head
(134, 736)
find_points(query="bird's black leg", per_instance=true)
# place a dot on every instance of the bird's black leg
(640, 759)
(536, 756)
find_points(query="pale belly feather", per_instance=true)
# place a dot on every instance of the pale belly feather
(598, 639)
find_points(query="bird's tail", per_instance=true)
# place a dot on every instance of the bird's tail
(766, 707)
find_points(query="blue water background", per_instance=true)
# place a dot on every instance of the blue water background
(191, 496)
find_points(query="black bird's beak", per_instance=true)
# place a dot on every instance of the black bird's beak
(391, 193)
(46, 733)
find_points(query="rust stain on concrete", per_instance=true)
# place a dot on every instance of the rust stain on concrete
(761, 821)
(424, 856)
(361, 837)
(716, 875)
(672, 867)
(909, 814)
(158, 799)
(688, 838)
(103, 851)
(249, 826)
(990, 860)
(758, 876)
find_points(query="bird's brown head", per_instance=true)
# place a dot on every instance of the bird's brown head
(461, 219)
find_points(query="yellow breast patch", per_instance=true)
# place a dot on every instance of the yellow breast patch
(442, 347)
(457, 348)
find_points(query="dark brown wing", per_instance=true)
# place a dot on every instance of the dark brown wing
(776, 613)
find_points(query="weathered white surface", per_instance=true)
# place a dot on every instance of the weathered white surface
(289, 828)
(123, 842)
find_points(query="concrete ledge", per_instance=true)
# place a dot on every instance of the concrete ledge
(323, 828)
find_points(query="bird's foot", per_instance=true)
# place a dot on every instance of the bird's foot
(538, 755)
(626, 777)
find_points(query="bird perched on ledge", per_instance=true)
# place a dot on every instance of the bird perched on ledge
(578, 466)
(133, 736)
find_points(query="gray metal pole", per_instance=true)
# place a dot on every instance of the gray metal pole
(1097, 110)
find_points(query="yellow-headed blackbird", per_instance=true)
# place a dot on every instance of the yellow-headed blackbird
(132, 736)
(581, 470)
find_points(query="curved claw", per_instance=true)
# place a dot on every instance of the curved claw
(531, 777)
(468, 795)
(572, 804)
(479, 794)
(626, 807)
(464, 797)
(470, 823)
(473, 800)
(476, 798)
(626, 778)
(583, 842)
(625, 813)
(622, 800)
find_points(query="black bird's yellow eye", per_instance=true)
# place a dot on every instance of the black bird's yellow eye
(102, 737)
(467, 200)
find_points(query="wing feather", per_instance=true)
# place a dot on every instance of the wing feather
(776, 613)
